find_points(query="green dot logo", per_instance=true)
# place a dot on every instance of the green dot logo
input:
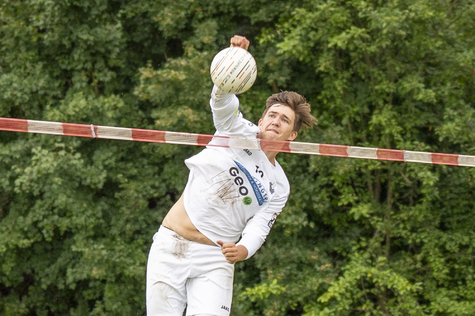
(247, 200)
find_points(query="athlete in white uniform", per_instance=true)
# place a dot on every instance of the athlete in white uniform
(231, 194)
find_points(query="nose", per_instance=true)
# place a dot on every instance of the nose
(275, 121)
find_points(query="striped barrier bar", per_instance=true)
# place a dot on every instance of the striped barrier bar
(154, 136)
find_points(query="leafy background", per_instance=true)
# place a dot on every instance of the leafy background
(357, 237)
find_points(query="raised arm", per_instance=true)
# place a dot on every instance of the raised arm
(225, 106)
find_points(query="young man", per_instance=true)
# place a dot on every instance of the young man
(230, 193)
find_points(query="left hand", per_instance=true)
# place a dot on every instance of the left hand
(233, 253)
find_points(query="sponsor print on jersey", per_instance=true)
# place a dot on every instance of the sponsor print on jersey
(223, 189)
(259, 190)
(272, 220)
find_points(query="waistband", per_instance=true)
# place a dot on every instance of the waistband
(163, 230)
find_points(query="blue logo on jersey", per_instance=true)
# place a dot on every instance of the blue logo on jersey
(259, 190)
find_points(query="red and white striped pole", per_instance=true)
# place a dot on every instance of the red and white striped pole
(154, 136)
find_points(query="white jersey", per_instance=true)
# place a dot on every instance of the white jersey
(233, 192)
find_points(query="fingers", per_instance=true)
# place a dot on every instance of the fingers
(231, 255)
(230, 251)
(240, 41)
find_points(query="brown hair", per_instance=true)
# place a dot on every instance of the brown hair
(297, 103)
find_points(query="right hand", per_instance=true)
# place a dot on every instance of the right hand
(240, 41)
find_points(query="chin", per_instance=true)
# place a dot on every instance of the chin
(271, 136)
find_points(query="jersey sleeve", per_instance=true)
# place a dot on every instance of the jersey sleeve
(257, 228)
(225, 107)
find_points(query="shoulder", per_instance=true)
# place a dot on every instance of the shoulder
(281, 177)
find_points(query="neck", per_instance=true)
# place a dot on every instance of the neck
(271, 156)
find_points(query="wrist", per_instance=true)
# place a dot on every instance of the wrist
(242, 252)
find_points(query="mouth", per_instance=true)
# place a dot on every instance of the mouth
(272, 130)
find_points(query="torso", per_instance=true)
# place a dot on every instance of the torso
(227, 187)
(177, 220)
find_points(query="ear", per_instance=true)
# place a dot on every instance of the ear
(260, 122)
(292, 136)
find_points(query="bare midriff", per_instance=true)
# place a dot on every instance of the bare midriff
(178, 220)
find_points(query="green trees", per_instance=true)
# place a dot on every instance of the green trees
(358, 237)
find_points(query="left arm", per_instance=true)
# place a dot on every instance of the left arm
(255, 232)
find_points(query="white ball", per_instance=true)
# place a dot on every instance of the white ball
(233, 70)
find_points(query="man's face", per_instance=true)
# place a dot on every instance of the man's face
(278, 123)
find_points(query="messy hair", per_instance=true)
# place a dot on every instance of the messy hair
(297, 103)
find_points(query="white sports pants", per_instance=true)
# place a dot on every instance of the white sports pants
(182, 273)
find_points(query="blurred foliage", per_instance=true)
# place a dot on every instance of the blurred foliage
(357, 237)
